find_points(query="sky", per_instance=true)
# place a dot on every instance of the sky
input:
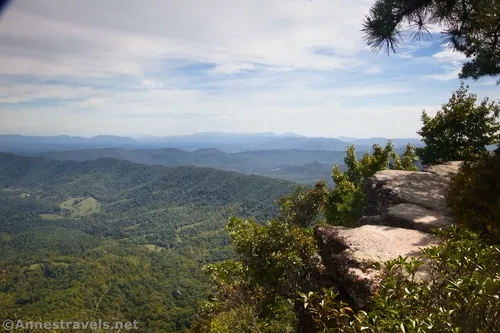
(171, 67)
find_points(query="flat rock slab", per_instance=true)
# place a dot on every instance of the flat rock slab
(420, 188)
(348, 254)
(377, 243)
(446, 170)
(426, 189)
(416, 217)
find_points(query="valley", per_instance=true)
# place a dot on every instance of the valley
(133, 235)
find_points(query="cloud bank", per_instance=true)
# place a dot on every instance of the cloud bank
(176, 67)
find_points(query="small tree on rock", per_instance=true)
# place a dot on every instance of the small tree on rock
(346, 202)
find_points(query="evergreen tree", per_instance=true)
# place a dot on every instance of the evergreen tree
(470, 26)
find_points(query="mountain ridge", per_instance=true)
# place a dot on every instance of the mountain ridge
(278, 164)
(228, 142)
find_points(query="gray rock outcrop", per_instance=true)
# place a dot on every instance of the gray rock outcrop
(410, 199)
(403, 207)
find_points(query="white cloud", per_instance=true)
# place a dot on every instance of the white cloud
(232, 68)
(30, 92)
(158, 113)
(448, 55)
(96, 38)
(175, 67)
(450, 62)
(403, 55)
(488, 83)
(451, 73)
(162, 111)
(152, 84)
(374, 70)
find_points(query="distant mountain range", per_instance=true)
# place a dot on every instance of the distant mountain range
(228, 142)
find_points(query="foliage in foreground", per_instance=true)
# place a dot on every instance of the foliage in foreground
(272, 286)
(470, 27)
(474, 196)
(461, 130)
(462, 293)
(258, 292)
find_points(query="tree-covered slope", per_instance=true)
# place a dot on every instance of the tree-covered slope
(137, 235)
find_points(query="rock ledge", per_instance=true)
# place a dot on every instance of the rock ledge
(403, 208)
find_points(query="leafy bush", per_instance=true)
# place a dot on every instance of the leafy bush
(474, 196)
(279, 257)
(233, 308)
(327, 312)
(259, 290)
(301, 208)
(462, 293)
(461, 130)
(346, 202)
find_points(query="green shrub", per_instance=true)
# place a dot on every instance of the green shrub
(279, 257)
(474, 196)
(275, 261)
(326, 311)
(302, 207)
(345, 203)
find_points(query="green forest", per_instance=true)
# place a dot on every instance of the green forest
(113, 239)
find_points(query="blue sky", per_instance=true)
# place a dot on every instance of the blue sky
(159, 67)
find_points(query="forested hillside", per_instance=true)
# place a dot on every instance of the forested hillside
(115, 239)
(303, 166)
